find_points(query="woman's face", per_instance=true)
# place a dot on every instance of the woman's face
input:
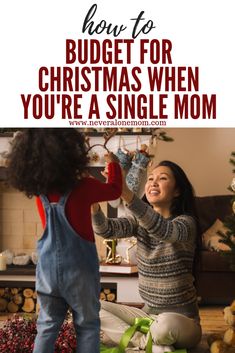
(160, 188)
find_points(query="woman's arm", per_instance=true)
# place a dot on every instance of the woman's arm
(181, 228)
(127, 195)
(112, 227)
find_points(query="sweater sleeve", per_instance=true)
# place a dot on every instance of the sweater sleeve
(114, 227)
(41, 211)
(181, 228)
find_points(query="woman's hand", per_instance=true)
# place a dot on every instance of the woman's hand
(127, 195)
(110, 157)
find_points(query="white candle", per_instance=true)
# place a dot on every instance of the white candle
(3, 262)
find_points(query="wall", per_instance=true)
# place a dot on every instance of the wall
(20, 226)
(204, 155)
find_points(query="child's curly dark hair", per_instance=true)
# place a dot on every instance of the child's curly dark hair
(46, 160)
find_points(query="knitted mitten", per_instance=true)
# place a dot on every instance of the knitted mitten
(124, 158)
(136, 172)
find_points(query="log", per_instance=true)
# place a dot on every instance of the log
(18, 299)
(7, 293)
(111, 297)
(102, 296)
(2, 292)
(106, 290)
(3, 304)
(14, 291)
(29, 305)
(28, 293)
(12, 307)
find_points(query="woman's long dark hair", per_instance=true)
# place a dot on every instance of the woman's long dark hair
(46, 160)
(184, 204)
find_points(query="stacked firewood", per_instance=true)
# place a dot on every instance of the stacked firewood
(108, 294)
(15, 300)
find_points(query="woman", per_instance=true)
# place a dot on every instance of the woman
(166, 231)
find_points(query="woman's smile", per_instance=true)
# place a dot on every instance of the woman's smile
(160, 189)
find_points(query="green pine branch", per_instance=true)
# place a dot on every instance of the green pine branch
(164, 137)
(232, 160)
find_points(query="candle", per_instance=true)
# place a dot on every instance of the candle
(3, 262)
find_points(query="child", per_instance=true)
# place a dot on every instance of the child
(51, 165)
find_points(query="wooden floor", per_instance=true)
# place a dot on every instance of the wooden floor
(212, 319)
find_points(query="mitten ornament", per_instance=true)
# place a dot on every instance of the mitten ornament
(136, 172)
(124, 158)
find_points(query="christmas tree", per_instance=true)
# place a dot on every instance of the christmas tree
(228, 237)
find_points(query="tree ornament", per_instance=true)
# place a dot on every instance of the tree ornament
(136, 172)
(94, 157)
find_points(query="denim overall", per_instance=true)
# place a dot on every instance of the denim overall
(67, 275)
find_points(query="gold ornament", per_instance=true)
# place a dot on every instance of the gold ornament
(111, 257)
(132, 244)
(94, 157)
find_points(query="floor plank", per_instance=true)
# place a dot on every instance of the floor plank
(212, 319)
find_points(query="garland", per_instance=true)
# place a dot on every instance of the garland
(18, 335)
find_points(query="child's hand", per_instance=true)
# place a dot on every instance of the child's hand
(127, 195)
(110, 157)
(105, 172)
